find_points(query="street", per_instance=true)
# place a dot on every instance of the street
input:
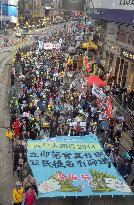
(7, 180)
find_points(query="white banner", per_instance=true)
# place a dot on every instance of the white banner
(98, 92)
(50, 46)
(114, 4)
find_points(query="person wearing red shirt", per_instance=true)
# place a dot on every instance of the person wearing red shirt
(17, 127)
(29, 197)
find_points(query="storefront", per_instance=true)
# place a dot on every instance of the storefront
(122, 63)
(129, 57)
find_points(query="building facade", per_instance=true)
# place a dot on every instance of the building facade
(25, 8)
(118, 50)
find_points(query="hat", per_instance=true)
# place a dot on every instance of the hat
(18, 183)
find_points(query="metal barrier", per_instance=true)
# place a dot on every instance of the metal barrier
(124, 112)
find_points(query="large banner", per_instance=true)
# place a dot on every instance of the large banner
(73, 166)
(114, 4)
(73, 5)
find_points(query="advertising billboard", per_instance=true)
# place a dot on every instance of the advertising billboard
(73, 5)
(9, 10)
(9, 7)
(114, 4)
(12, 11)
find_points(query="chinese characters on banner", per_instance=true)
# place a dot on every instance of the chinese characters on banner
(73, 166)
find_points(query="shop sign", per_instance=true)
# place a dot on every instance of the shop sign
(127, 54)
(114, 4)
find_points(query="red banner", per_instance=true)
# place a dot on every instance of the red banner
(107, 106)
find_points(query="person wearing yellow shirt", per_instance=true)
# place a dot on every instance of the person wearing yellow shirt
(17, 194)
(9, 134)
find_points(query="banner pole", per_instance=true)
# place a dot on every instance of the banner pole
(12, 57)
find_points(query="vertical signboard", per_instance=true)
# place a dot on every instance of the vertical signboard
(36, 8)
(73, 5)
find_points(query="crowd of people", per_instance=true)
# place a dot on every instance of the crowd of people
(52, 99)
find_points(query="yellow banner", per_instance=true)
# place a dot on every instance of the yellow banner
(64, 146)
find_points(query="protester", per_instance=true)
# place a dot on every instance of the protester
(125, 169)
(29, 196)
(17, 194)
(30, 181)
(24, 171)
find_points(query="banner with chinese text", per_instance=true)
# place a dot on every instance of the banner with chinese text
(73, 166)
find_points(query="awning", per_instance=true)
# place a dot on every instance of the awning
(94, 79)
(121, 16)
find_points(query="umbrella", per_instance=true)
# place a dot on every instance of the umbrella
(94, 79)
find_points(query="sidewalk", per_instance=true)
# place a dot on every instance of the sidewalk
(6, 165)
